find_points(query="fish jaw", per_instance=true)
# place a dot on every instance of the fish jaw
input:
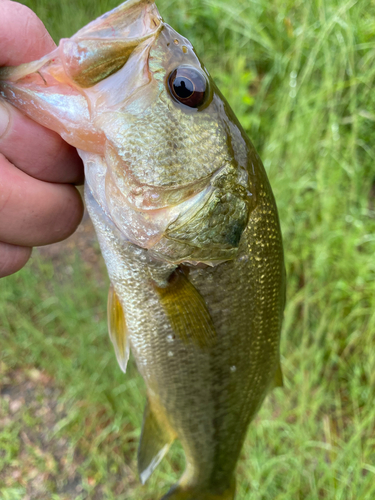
(54, 91)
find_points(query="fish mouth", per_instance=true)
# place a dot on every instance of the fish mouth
(99, 49)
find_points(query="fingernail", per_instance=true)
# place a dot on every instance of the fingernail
(4, 119)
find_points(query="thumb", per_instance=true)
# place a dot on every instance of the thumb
(23, 36)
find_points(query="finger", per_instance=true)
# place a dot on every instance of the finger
(33, 212)
(36, 150)
(43, 154)
(12, 258)
(24, 37)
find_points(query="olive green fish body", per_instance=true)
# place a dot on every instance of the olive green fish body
(187, 225)
(208, 396)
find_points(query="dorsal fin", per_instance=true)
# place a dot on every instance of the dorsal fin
(117, 328)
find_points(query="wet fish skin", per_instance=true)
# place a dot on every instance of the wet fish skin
(188, 228)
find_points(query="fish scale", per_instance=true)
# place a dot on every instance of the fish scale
(187, 225)
(168, 162)
(256, 344)
(248, 340)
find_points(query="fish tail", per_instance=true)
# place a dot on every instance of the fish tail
(178, 492)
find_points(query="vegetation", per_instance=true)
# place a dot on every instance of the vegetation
(299, 76)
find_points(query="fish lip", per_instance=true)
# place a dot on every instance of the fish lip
(152, 12)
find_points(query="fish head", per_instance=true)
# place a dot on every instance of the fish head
(178, 180)
(165, 157)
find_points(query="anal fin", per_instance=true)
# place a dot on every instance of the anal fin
(117, 328)
(156, 439)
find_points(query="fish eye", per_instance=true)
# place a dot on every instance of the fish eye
(188, 86)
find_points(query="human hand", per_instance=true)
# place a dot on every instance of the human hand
(38, 203)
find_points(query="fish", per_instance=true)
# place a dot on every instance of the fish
(188, 228)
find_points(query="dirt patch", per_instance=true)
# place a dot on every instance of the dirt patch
(38, 461)
(34, 458)
(40, 456)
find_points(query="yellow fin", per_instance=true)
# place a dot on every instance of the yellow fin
(117, 328)
(187, 311)
(156, 439)
(278, 380)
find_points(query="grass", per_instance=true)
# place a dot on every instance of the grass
(299, 76)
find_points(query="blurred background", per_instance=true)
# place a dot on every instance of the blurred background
(299, 75)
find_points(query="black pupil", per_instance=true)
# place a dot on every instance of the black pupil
(183, 87)
(188, 85)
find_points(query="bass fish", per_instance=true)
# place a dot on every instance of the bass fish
(187, 225)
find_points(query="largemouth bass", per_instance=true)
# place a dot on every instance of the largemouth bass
(187, 225)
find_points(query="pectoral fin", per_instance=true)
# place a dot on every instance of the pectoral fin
(117, 328)
(187, 311)
(156, 439)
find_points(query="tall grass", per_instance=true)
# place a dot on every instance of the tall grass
(299, 76)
